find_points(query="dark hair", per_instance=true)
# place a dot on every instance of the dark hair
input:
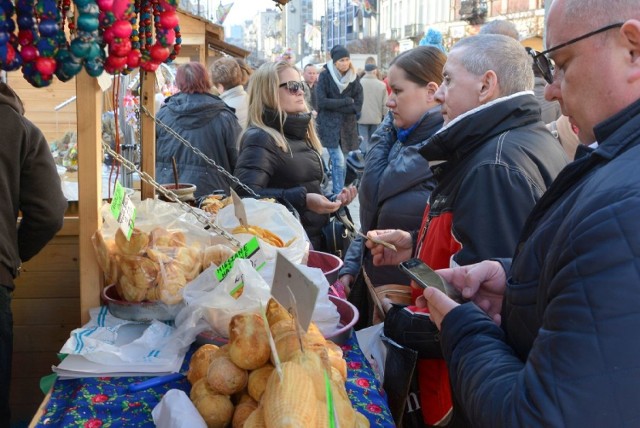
(226, 72)
(309, 65)
(192, 78)
(422, 64)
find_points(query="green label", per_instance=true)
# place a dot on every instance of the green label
(248, 251)
(123, 210)
(118, 199)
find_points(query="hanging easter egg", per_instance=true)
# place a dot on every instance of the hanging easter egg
(121, 48)
(46, 66)
(95, 52)
(122, 29)
(168, 19)
(29, 53)
(133, 59)
(94, 67)
(105, 4)
(48, 28)
(25, 37)
(159, 53)
(87, 23)
(79, 48)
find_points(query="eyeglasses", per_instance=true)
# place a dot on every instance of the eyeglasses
(546, 65)
(293, 86)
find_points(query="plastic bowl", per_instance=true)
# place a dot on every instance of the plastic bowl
(138, 311)
(348, 318)
(327, 263)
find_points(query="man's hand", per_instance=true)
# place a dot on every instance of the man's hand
(439, 304)
(320, 204)
(384, 256)
(483, 283)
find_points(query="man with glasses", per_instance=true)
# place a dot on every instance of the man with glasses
(550, 336)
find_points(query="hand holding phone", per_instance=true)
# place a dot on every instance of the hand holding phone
(422, 274)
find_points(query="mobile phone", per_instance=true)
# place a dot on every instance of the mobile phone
(422, 274)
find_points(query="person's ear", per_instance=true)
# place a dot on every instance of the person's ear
(489, 89)
(631, 38)
(432, 88)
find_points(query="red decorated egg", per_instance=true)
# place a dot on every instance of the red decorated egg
(133, 59)
(150, 66)
(159, 53)
(122, 29)
(168, 19)
(120, 48)
(116, 61)
(46, 66)
(108, 35)
(171, 37)
(29, 53)
(105, 5)
(25, 37)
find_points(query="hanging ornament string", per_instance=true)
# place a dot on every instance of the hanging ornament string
(115, 22)
(85, 48)
(10, 59)
(133, 60)
(64, 51)
(165, 20)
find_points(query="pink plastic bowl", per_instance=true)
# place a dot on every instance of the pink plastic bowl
(327, 263)
(348, 318)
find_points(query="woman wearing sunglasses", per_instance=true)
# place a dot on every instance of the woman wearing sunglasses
(280, 150)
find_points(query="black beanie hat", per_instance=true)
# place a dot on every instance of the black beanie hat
(338, 52)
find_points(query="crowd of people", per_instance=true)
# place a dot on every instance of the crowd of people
(508, 170)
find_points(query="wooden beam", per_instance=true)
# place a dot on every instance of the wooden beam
(148, 131)
(89, 109)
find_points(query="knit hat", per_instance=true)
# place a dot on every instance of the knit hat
(432, 37)
(370, 67)
(338, 52)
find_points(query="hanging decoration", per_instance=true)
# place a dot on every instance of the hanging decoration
(116, 36)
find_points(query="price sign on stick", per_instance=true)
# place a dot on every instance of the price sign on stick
(123, 210)
(289, 280)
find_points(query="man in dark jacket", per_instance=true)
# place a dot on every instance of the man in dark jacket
(550, 338)
(30, 185)
(493, 160)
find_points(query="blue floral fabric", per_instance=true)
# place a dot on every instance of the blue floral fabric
(106, 401)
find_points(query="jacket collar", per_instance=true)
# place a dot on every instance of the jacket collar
(473, 128)
(621, 124)
(423, 128)
(233, 92)
(295, 125)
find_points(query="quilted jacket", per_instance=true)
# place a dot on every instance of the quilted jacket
(567, 354)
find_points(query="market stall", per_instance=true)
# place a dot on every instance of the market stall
(73, 246)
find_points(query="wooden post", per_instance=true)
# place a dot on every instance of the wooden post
(148, 131)
(88, 111)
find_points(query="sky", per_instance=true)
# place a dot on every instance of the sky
(243, 10)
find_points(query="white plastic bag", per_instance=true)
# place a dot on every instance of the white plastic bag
(176, 410)
(108, 340)
(374, 350)
(213, 301)
(275, 218)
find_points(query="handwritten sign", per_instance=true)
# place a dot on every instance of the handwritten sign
(287, 280)
(123, 210)
(250, 251)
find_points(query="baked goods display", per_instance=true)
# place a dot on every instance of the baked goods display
(154, 266)
(260, 232)
(241, 373)
(214, 203)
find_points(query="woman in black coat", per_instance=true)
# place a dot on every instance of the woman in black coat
(339, 97)
(280, 150)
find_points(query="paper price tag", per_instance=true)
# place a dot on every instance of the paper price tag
(289, 280)
(123, 210)
(251, 251)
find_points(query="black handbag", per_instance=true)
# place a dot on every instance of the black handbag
(338, 233)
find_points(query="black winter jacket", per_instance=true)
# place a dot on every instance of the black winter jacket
(394, 191)
(30, 184)
(206, 122)
(338, 112)
(274, 173)
(567, 354)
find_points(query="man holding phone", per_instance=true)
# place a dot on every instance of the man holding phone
(493, 159)
(552, 337)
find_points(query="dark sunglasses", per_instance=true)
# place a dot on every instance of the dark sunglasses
(546, 65)
(293, 86)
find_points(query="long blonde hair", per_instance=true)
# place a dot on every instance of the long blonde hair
(263, 92)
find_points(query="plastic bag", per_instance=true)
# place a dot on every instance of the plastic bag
(374, 350)
(276, 219)
(176, 410)
(164, 252)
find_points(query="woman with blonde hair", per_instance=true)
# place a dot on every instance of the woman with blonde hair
(280, 150)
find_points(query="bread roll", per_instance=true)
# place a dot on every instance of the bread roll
(199, 364)
(242, 412)
(248, 341)
(216, 410)
(258, 381)
(226, 377)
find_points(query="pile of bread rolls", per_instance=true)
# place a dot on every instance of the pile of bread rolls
(237, 384)
(154, 266)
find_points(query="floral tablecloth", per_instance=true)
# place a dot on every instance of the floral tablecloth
(106, 401)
